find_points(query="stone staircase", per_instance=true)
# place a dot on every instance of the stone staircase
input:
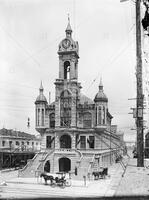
(83, 168)
(95, 165)
(33, 165)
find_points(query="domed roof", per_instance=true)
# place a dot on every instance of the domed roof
(41, 97)
(100, 96)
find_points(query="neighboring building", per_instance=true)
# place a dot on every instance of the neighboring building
(16, 148)
(76, 132)
(18, 141)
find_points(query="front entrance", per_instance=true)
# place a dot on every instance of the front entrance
(47, 166)
(64, 164)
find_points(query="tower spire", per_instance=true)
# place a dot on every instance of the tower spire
(100, 84)
(68, 19)
(68, 29)
(41, 88)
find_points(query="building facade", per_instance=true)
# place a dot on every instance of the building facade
(17, 140)
(76, 132)
(16, 148)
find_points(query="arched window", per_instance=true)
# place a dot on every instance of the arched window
(87, 120)
(17, 143)
(147, 140)
(91, 141)
(66, 70)
(47, 166)
(52, 120)
(65, 109)
(99, 115)
(104, 115)
(147, 145)
(38, 116)
(42, 117)
(65, 141)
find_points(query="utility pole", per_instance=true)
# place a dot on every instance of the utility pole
(139, 102)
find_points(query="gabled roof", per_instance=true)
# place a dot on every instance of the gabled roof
(13, 133)
(85, 99)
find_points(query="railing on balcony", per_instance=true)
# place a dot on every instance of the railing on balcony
(64, 150)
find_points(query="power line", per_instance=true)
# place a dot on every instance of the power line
(111, 62)
(20, 45)
(113, 58)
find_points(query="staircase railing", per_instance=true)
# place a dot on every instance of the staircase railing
(30, 161)
(78, 152)
(116, 153)
(119, 146)
(90, 166)
(79, 161)
(43, 159)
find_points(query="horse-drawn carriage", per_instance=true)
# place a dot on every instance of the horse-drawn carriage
(58, 179)
(100, 174)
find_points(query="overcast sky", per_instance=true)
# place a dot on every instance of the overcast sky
(30, 31)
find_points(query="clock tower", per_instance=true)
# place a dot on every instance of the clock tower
(67, 86)
(68, 56)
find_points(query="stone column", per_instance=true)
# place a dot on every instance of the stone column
(73, 109)
(56, 141)
(100, 161)
(61, 68)
(72, 69)
(102, 115)
(43, 143)
(57, 109)
(97, 116)
(105, 115)
(73, 141)
(76, 70)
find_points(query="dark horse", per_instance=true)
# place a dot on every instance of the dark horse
(47, 177)
(100, 174)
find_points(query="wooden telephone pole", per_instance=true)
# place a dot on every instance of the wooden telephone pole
(139, 117)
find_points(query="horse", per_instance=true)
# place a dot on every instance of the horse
(100, 174)
(96, 175)
(47, 177)
(104, 173)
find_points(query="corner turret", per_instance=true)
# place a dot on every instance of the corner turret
(40, 103)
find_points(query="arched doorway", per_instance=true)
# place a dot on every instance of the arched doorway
(47, 166)
(64, 164)
(65, 142)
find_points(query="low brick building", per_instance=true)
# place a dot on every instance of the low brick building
(16, 148)
(17, 140)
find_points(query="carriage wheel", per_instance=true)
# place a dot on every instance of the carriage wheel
(68, 183)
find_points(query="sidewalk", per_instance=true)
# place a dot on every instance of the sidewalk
(27, 187)
(135, 181)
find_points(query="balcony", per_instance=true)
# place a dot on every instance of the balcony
(65, 151)
(101, 127)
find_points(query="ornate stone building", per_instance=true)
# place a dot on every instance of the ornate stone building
(76, 131)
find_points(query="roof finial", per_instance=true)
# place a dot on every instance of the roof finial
(68, 29)
(101, 81)
(68, 19)
(41, 87)
(100, 84)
